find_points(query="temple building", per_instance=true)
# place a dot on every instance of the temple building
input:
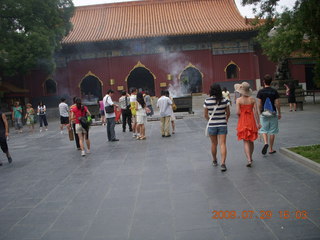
(185, 45)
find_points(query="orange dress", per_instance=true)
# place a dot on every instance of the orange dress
(247, 128)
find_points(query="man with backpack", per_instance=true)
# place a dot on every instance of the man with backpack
(270, 113)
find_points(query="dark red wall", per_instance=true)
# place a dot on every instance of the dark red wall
(118, 68)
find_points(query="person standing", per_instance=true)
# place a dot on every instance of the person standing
(4, 134)
(17, 116)
(124, 103)
(42, 111)
(226, 94)
(217, 112)
(133, 99)
(102, 114)
(236, 93)
(291, 93)
(269, 122)
(164, 104)
(248, 122)
(83, 131)
(110, 117)
(147, 99)
(141, 116)
(73, 124)
(30, 116)
(64, 115)
(172, 116)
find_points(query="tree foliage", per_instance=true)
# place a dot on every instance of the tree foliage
(31, 32)
(293, 31)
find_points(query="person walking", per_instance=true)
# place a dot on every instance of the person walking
(83, 131)
(17, 116)
(217, 112)
(164, 104)
(124, 103)
(73, 124)
(133, 99)
(110, 117)
(148, 101)
(248, 122)
(30, 117)
(4, 134)
(270, 113)
(42, 113)
(291, 93)
(141, 116)
(64, 115)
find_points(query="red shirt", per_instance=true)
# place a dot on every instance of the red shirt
(79, 113)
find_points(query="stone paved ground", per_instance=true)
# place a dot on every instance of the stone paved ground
(159, 189)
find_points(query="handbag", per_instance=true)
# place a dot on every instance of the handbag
(71, 136)
(109, 108)
(211, 116)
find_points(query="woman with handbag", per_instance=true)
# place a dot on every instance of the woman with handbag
(217, 112)
(82, 129)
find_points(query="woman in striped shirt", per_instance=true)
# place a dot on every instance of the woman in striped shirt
(217, 128)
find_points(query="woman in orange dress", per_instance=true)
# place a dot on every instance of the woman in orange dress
(248, 123)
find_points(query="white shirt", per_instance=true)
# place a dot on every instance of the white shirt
(64, 109)
(164, 104)
(107, 100)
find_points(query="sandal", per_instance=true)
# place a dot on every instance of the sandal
(143, 138)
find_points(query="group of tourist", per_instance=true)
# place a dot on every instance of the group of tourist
(254, 118)
(30, 116)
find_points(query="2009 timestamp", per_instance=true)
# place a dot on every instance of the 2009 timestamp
(263, 214)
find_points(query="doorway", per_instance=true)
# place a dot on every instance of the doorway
(91, 89)
(141, 79)
(191, 81)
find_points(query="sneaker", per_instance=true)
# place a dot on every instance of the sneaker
(83, 153)
(264, 149)
(223, 168)
(40, 130)
(134, 135)
(9, 160)
(215, 163)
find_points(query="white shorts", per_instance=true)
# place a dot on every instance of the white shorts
(141, 119)
(172, 117)
(80, 129)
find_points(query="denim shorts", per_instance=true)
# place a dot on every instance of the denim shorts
(213, 131)
(269, 125)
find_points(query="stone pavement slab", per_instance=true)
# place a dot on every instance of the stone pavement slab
(160, 188)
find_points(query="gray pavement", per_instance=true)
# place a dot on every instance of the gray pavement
(160, 188)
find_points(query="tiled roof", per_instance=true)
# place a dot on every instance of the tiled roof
(154, 18)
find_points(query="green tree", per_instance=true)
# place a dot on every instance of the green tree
(31, 32)
(294, 30)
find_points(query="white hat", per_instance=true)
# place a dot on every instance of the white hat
(244, 89)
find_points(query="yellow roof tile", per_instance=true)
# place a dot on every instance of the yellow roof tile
(154, 18)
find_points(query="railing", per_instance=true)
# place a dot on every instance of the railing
(311, 93)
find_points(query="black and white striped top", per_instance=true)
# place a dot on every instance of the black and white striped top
(219, 118)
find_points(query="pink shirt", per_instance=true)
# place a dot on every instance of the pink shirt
(101, 105)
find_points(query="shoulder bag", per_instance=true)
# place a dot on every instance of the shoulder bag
(108, 108)
(211, 116)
